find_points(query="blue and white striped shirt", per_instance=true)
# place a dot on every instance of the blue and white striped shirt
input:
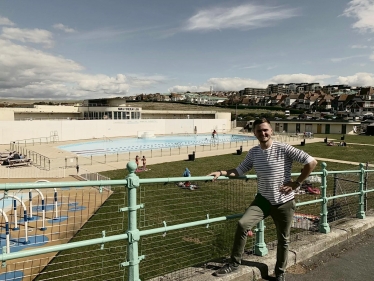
(273, 168)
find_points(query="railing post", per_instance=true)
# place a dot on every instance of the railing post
(260, 246)
(324, 226)
(132, 231)
(361, 208)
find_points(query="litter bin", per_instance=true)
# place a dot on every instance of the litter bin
(325, 140)
(342, 137)
(303, 143)
(191, 157)
(240, 150)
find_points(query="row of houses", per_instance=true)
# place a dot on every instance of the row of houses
(353, 101)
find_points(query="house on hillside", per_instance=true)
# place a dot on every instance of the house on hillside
(177, 97)
(291, 100)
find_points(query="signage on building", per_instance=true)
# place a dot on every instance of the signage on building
(129, 108)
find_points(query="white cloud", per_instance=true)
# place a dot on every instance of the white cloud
(345, 58)
(31, 73)
(358, 79)
(359, 46)
(247, 16)
(5, 21)
(362, 11)
(372, 56)
(221, 84)
(38, 36)
(299, 78)
(236, 83)
(183, 89)
(64, 28)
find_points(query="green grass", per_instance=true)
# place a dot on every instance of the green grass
(166, 202)
(351, 152)
(363, 139)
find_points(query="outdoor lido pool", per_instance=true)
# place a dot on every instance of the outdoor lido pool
(112, 146)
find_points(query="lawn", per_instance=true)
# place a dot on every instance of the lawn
(363, 139)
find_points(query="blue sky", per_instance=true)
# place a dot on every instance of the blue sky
(95, 48)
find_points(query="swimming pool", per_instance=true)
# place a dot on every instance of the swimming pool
(111, 146)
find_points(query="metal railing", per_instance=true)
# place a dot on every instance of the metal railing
(165, 222)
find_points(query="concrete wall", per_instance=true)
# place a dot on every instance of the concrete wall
(6, 115)
(87, 129)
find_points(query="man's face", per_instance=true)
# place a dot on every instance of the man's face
(263, 132)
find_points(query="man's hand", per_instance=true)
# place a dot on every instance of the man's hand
(215, 175)
(288, 187)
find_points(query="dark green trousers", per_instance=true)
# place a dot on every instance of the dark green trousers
(259, 209)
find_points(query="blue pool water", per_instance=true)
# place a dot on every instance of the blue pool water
(135, 144)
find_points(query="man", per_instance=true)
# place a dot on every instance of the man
(272, 161)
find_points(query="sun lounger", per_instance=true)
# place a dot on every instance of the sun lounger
(19, 162)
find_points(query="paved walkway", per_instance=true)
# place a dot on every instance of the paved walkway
(348, 261)
(340, 161)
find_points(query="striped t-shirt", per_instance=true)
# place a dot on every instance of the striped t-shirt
(273, 168)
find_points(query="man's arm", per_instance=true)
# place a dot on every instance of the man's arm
(230, 173)
(243, 167)
(308, 168)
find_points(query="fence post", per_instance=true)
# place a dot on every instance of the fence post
(366, 186)
(324, 226)
(361, 208)
(260, 246)
(132, 231)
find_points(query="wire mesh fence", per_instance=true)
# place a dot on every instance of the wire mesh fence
(58, 216)
(171, 204)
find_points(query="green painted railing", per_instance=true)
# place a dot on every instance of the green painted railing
(133, 234)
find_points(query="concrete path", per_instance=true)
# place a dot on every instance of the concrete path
(340, 161)
(349, 261)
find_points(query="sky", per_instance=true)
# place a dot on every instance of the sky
(73, 50)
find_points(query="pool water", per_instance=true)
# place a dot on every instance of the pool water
(111, 146)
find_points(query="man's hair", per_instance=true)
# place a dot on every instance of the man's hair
(260, 121)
